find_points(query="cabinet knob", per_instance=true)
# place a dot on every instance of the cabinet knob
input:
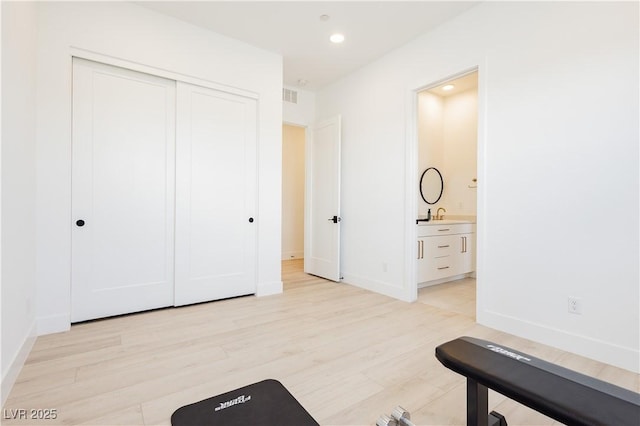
(80, 223)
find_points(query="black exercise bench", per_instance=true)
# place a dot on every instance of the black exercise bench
(562, 394)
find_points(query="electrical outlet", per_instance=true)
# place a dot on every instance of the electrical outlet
(574, 305)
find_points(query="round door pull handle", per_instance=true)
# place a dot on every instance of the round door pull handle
(250, 220)
(80, 222)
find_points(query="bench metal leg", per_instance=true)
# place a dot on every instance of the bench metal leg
(477, 404)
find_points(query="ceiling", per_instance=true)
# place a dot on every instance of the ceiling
(460, 84)
(294, 30)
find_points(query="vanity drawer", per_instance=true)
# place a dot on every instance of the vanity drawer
(440, 267)
(445, 229)
(438, 246)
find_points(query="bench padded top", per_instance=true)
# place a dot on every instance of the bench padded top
(562, 394)
(266, 403)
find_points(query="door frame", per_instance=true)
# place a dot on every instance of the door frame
(76, 52)
(335, 274)
(412, 177)
(308, 135)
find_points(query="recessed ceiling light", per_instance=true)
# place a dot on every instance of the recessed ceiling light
(324, 17)
(336, 38)
(448, 87)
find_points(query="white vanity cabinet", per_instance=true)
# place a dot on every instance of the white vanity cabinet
(445, 250)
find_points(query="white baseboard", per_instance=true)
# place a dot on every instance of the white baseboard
(599, 350)
(376, 286)
(53, 324)
(290, 255)
(446, 280)
(9, 378)
(267, 289)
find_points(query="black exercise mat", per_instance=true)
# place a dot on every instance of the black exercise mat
(266, 403)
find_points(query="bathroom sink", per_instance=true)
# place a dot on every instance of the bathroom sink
(444, 222)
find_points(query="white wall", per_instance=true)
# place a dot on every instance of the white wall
(18, 187)
(293, 144)
(447, 140)
(460, 127)
(558, 164)
(301, 113)
(127, 32)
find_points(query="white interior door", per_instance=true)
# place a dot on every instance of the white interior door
(216, 223)
(322, 201)
(122, 191)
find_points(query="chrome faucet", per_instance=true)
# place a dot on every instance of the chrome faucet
(438, 215)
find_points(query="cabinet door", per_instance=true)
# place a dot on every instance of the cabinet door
(466, 255)
(422, 263)
(216, 190)
(443, 256)
(122, 191)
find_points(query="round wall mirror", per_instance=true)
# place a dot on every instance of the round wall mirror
(431, 185)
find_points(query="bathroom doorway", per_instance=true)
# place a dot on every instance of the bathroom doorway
(447, 136)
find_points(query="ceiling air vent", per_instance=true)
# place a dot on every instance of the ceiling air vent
(289, 95)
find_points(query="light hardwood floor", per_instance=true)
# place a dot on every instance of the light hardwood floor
(346, 354)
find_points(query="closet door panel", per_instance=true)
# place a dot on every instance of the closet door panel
(216, 195)
(122, 191)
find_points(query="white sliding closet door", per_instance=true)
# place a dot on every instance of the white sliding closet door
(122, 191)
(216, 223)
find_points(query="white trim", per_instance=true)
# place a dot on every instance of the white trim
(294, 124)
(53, 324)
(410, 199)
(159, 72)
(599, 350)
(10, 376)
(294, 254)
(481, 223)
(454, 76)
(268, 289)
(446, 280)
(376, 286)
